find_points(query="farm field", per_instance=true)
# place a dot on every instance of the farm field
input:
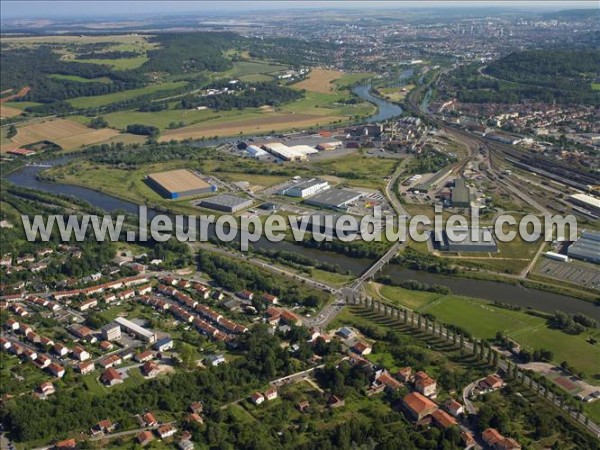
(484, 320)
(260, 123)
(101, 100)
(129, 39)
(7, 111)
(320, 80)
(254, 70)
(65, 133)
(118, 64)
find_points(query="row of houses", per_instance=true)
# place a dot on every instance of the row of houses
(100, 288)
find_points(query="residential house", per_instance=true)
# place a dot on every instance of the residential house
(60, 350)
(66, 444)
(42, 361)
(345, 333)
(497, 441)
(418, 406)
(453, 407)
(103, 427)
(405, 374)
(56, 370)
(468, 439)
(384, 378)
(185, 444)
(144, 438)
(491, 383)
(106, 346)
(166, 430)
(442, 419)
(149, 419)
(215, 360)
(245, 295)
(12, 324)
(257, 398)
(86, 367)
(195, 417)
(362, 348)
(271, 394)
(425, 385)
(196, 407)
(150, 369)
(290, 318)
(80, 354)
(163, 344)
(144, 356)
(47, 388)
(111, 377)
(270, 299)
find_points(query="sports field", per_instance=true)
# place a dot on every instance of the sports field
(67, 134)
(320, 80)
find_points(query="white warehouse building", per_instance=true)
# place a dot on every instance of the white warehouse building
(255, 152)
(306, 188)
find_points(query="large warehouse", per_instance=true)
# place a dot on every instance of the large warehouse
(305, 188)
(586, 248)
(334, 198)
(226, 203)
(478, 240)
(179, 183)
(295, 153)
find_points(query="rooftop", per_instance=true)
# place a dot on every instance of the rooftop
(334, 197)
(179, 180)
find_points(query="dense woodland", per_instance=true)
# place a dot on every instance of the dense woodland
(561, 76)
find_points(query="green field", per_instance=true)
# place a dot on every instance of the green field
(484, 320)
(360, 171)
(58, 76)
(118, 64)
(244, 68)
(20, 105)
(101, 100)
(596, 86)
(350, 79)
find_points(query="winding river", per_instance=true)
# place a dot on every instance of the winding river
(487, 290)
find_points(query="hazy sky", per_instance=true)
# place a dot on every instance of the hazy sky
(88, 8)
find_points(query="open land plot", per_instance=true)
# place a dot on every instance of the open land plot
(102, 100)
(244, 68)
(320, 80)
(66, 133)
(357, 170)
(92, 39)
(19, 105)
(396, 94)
(484, 320)
(596, 86)
(22, 93)
(162, 119)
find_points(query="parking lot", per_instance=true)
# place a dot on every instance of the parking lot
(573, 272)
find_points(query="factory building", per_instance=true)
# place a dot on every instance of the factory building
(305, 188)
(179, 183)
(461, 195)
(471, 240)
(284, 152)
(586, 248)
(226, 203)
(334, 198)
(138, 331)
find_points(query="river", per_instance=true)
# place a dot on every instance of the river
(487, 290)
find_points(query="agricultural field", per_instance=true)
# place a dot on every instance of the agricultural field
(254, 71)
(320, 80)
(7, 111)
(262, 122)
(484, 320)
(102, 100)
(67, 134)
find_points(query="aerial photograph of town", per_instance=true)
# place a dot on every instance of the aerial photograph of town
(300, 225)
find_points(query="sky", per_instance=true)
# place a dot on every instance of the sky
(11, 9)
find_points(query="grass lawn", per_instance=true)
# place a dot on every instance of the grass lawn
(596, 87)
(350, 79)
(331, 278)
(20, 105)
(245, 68)
(101, 100)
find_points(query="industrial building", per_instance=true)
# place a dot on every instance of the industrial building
(255, 152)
(111, 332)
(334, 198)
(461, 195)
(432, 182)
(226, 203)
(179, 183)
(136, 330)
(588, 202)
(471, 240)
(294, 153)
(586, 248)
(305, 188)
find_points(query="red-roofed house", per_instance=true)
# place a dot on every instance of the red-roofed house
(425, 384)
(144, 438)
(111, 377)
(442, 419)
(56, 370)
(418, 405)
(361, 348)
(257, 398)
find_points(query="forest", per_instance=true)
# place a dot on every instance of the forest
(251, 96)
